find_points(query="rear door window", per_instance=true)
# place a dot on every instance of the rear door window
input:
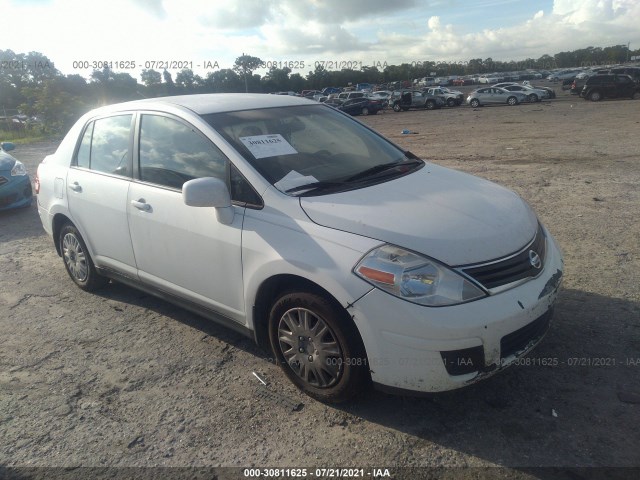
(105, 145)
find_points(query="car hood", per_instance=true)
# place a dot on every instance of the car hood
(6, 161)
(450, 216)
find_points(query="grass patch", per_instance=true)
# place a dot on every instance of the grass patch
(23, 137)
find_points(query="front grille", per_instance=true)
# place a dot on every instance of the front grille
(513, 268)
(529, 334)
(3, 180)
(460, 362)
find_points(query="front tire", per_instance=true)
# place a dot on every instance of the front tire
(475, 103)
(396, 107)
(365, 111)
(318, 347)
(430, 105)
(451, 102)
(77, 260)
(595, 96)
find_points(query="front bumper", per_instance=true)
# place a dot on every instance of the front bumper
(15, 192)
(424, 349)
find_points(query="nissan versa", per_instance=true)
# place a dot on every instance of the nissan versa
(353, 260)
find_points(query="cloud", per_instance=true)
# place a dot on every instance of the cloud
(242, 14)
(340, 11)
(310, 38)
(570, 25)
(235, 15)
(369, 31)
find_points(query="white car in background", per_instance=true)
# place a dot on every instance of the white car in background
(488, 79)
(348, 257)
(494, 95)
(533, 94)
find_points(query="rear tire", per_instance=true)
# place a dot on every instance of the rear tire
(430, 105)
(318, 347)
(512, 101)
(365, 111)
(77, 260)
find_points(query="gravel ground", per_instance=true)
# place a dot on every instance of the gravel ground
(122, 379)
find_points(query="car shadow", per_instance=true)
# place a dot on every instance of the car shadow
(577, 391)
(20, 223)
(125, 294)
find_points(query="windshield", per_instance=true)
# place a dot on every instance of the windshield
(309, 145)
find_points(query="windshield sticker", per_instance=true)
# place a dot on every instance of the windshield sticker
(263, 146)
(294, 179)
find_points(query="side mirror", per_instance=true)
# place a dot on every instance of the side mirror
(209, 192)
(8, 146)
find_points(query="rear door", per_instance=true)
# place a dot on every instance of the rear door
(184, 251)
(484, 95)
(97, 188)
(624, 86)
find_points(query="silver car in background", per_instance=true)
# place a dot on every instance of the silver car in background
(488, 95)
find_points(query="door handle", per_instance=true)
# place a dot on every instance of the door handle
(141, 205)
(75, 186)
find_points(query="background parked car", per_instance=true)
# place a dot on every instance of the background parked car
(488, 79)
(450, 98)
(15, 185)
(533, 94)
(563, 75)
(609, 86)
(551, 93)
(633, 72)
(350, 95)
(403, 100)
(382, 96)
(488, 95)
(577, 84)
(361, 106)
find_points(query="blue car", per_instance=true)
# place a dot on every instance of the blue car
(15, 185)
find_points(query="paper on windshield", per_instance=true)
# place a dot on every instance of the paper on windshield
(293, 179)
(263, 146)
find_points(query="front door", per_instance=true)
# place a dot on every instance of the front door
(183, 250)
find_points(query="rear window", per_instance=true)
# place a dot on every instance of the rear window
(599, 79)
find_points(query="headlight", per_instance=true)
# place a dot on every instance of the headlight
(415, 278)
(18, 169)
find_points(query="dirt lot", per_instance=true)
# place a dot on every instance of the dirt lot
(124, 379)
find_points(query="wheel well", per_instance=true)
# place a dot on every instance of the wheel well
(271, 289)
(59, 220)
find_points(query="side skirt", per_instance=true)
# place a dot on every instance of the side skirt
(181, 302)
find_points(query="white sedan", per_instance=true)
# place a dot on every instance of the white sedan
(489, 95)
(352, 260)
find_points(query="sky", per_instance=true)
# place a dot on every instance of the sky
(206, 35)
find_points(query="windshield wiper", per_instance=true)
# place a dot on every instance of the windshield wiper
(369, 172)
(314, 186)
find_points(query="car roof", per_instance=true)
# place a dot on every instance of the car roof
(217, 102)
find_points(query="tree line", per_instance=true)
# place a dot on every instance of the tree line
(30, 83)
